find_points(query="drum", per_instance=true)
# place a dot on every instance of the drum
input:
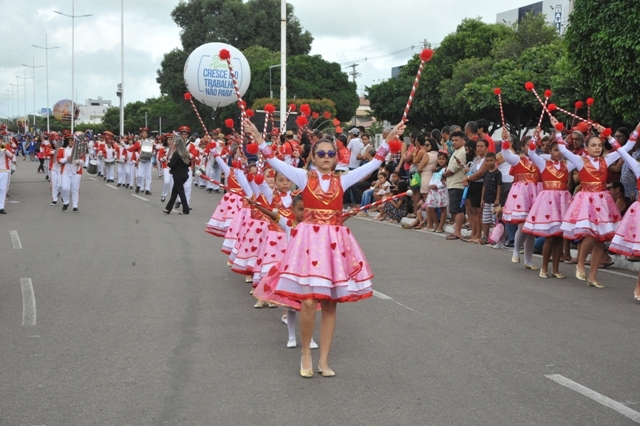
(93, 167)
(109, 161)
(146, 150)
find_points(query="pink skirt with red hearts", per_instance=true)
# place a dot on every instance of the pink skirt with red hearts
(547, 213)
(323, 262)
(269, 254)
(591, 214)
(626, 241)
(224, 214)
(247, 246)
(265, 290)
(521, 197)
(235, 228)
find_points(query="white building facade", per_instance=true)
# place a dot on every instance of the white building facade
(93, 110)
(557, 13)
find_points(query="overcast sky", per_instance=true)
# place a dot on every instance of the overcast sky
(344, 31)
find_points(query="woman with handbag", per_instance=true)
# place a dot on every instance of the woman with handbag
(179, 169)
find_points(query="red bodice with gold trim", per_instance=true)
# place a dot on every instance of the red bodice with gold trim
(232, 182)
(592, 179)
(323, 207)
(278, 204)
(553, 178)
(258, 215)
(525, 171)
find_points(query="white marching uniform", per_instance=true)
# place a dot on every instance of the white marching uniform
(108, 153)
(54, 171)
(121, 156)
(168, 178)
(130, 167)
(71, 175)
(5, 172)
(144, 171)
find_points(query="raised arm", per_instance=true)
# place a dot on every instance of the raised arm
(244, 183)
(225, 168)
(633, 164)
(349, 179)
(612, 157)
(537, 160)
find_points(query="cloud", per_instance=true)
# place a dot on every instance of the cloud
(343, 32)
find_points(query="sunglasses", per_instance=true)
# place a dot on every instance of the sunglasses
(322, 154)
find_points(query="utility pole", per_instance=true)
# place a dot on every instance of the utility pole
(46, 49)
(355, 74)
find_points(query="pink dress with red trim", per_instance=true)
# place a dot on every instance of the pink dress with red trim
(550, 206)
(235, 227)
(593, 212)
(272, 251)
(523, 192)
(626, 241)
(250, 239)
(323, 260)
(230, 204)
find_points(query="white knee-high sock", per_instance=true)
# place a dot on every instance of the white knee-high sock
(291, 324)
(519, 240)
(529, 241)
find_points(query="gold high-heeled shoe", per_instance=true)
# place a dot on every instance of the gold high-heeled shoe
(582, 276)
(531, 267)
(326, 373)
(229, 264)
(248, 279)
(558, 276)
(306, 373)
(515, 259)
(544, 275)
(595, 284)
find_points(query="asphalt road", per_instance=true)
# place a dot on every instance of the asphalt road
(139, 322)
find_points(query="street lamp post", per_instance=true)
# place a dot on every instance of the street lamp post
(270, 90)
(121, 68)
(26, 116)
(46, 49)
(73, 20)
(33, 67)
(17, 98)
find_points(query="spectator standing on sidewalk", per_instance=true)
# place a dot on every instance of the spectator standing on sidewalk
(455, 175)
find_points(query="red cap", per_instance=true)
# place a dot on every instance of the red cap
(184, 129)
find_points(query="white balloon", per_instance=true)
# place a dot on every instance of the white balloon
(207, 76)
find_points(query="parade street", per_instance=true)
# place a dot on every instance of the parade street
(121, 315)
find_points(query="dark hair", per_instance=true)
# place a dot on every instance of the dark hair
(624, 131)
(434, 144)
(314, 149)
(471, 154)
(490, 155)
(389, 168)
(472, 126)
(297, 199)
(457, 134)
(420, 139)
(483, 124)
(617, 185)
(484, 141)
(446, 157)
(402, 186)
(342, 138)
(435, 134)
(362, 129)
(445, 129)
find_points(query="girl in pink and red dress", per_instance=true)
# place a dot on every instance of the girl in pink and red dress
(550, 206)
(593, 215)
(522, 195)
(626, 241)
(267, 285)
(230, 204)
(235, 227)
(323, 262)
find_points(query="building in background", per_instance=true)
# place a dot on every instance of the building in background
(557, 13)
(93, 110)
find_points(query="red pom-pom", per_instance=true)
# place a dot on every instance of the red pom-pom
(213, 145)
(292, 107)
(270, 108)
(187, 96)
(590, 101)
(548, 93)
(559, 127)
(250, 177)
(338, 129)
(426, 55)
(395, 146)
(229, 123)
(579, 105)
(606, 132)
(305, 109)
(552, 107)
(236, 164)
(529, 86)
(315, 115)
(259, 179)
(505, 145)
(532, 146)
(327, 115)
(302, 121)
(582, 127)
(497, 91)
(252, 148)
(250, 113)
(225, 54)
(242, 104)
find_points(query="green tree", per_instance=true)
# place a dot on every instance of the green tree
(602, 40)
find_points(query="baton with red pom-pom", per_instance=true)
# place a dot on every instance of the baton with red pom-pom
(532, 88)
(425, 56)
(547, 95)
(269, 109)
(368, 206)
(283, 125)
(578, 106)
(188, 97)
(302, 122)
(225, 55)
(590, 102)
(553, 107)
(498, 92)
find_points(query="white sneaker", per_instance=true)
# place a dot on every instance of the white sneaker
(313, 344)
(284, 319)
(292, 343)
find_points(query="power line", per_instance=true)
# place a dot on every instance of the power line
(386, 55)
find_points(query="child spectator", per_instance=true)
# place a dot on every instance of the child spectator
(396, 209)
(379, 188)
(438, 197)
(490, 194)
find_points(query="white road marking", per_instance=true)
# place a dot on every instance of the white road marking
(93, 179)
(381, 295)
(28, 302)
(111, 186)
(15, 239)
(137, 196)
(599, 398)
